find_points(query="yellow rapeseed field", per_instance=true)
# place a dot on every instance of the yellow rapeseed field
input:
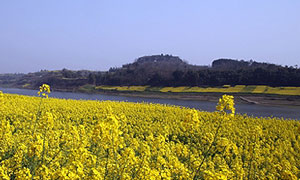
(122, 88)
(250, 89)
(47, 138)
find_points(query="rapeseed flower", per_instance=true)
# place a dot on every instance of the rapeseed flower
(44, 90)
(74, 139)
(226, 103)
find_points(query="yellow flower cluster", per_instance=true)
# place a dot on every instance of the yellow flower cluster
(1, 97)
(77, 139)
(256, 89)
(44, 90)
(226, 103)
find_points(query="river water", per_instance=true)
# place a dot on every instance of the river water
(249, 109)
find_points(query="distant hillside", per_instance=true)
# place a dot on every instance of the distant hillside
(162, 70)
(148, 70)
(62, 79)
(167, 70)
(236, 64)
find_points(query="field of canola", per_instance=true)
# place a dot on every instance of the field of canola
(252, 89)
(47, 138)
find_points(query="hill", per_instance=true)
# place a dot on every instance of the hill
(166, 70)
(162, 70)
(62, 79)
(154, 70)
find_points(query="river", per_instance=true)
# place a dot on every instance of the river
(249, 109)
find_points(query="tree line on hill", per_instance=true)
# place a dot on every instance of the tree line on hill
(163, 70)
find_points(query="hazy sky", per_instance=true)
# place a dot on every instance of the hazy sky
(97, 34)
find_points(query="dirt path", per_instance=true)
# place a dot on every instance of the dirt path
(248, 100)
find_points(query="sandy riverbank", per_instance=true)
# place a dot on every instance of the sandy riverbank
(262, 99)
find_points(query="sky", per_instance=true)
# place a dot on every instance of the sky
(97, 34)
